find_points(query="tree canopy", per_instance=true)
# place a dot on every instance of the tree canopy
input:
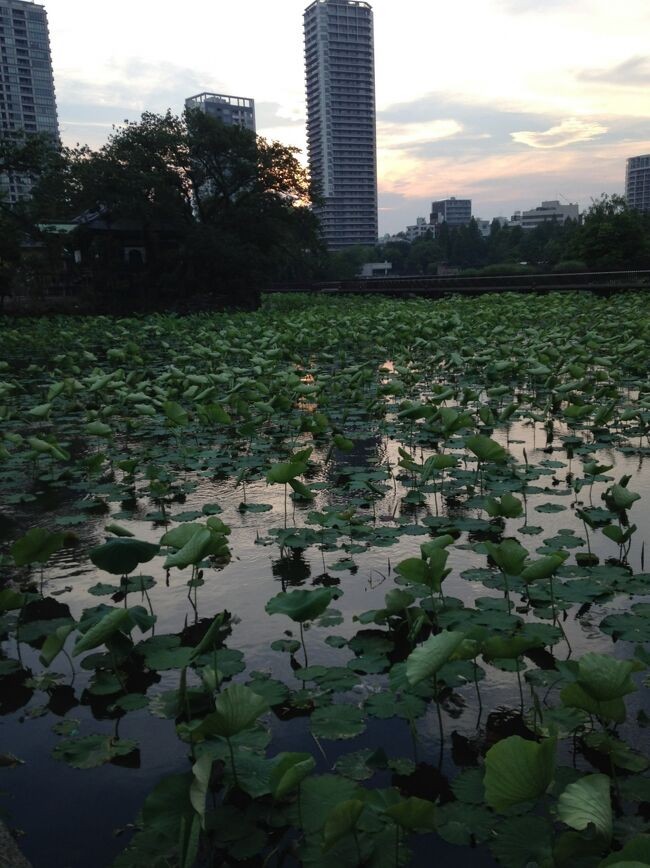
(217, 208)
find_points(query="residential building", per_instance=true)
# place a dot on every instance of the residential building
(231, 110)
(27, 97)
(637, 182)
(547, 212)
(452, 211)
(341, 135)
(421, 228)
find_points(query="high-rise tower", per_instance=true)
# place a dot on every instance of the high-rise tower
(341, 136)
(637, 182)
(27, 98)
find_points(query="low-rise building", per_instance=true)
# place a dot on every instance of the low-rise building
(420, 228)
(548, 212)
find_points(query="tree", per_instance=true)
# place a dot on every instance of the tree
(217, 209)
(613, 235)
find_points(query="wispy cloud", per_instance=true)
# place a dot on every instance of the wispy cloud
(634, 72)
(568, 132)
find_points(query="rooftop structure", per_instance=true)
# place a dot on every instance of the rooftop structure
(341, 137)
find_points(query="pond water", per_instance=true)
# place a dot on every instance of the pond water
(203, 408)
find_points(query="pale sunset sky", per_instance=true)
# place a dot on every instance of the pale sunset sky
(506, 102)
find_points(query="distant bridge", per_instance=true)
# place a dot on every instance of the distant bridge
(594, 281)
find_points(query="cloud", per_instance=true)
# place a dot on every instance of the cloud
(124, 89)
(568, 132)
(516, 7)
(404, 136)
(501, 156)
(635, 72)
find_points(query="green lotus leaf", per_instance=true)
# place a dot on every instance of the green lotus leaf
(37, 546)
(524, 841)
(118, 530)
(341, 821)
(289, 770)
(301, 489)
(414, 814)
(464, 824)
(518, 770)
(337, 722)
(237, 708)
(115, 621)
(428, 658)
(543, 568)
(177, 417)
(508, 506)
(588, 802)
(486, 449)
(300, 606)
(509, 555)
(193, 552)
(605, 678)
(319, 795)
(99, 429)
(121, 556)
(92, 750)
(635, 852)
(54, 643)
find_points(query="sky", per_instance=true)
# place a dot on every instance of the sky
(506, 102)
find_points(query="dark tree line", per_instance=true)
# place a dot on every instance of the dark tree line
(610, 236)
(218, 209)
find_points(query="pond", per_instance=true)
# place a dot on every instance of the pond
(340, 581)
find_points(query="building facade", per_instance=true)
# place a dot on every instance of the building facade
(27, 96)
(341, 134)
(637, 182)
(452, 211)
(231, 110)
(547, 212)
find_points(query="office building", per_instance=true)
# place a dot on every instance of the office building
(231, 110)
(637, 182)
(547, 212)
(452, 211)
(27, 98)
(341, 136)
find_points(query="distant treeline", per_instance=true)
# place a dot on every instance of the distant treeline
(611, 236)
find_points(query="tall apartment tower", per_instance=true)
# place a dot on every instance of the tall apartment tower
(27, 97)
(341, 135)
(637, 182)
(231, 110)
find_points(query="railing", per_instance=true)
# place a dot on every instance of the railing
(432, 284)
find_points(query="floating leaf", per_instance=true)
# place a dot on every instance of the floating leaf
(92, 750)
(337, 722)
